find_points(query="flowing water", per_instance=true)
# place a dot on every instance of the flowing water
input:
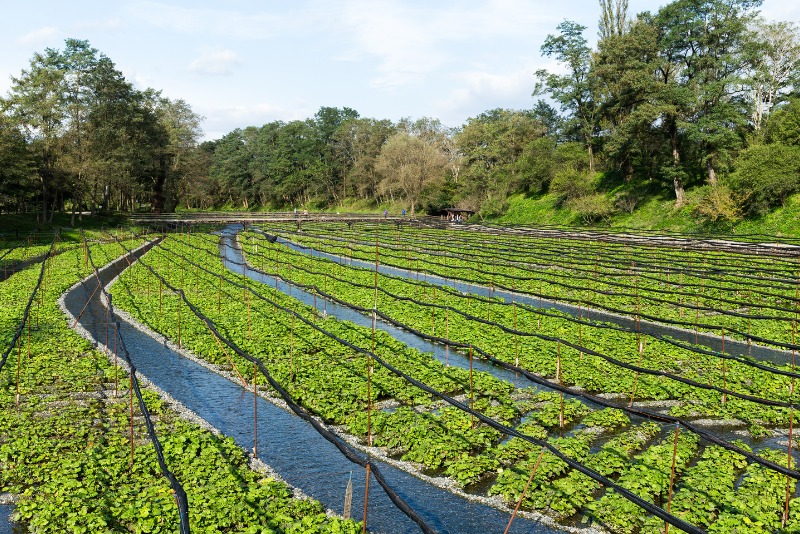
(287, 443)
(711, 341)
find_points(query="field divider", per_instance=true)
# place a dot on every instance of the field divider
(627, 494)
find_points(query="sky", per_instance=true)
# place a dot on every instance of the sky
(244, 63)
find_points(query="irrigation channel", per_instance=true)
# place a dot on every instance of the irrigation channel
(288, 444)
(713, 342)
(233, 258)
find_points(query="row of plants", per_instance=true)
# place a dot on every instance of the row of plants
(422, 431)
(446, 313)
(440, 439)
(764, 306)
(65, 449)
(297, 263)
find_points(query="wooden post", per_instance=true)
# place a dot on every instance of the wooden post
(560, 393)
(471, 397)
(366, 501)
(524, 491)
(255, 411)
(516, 337)
(130, 404)
(724, 370)
(672, 476)
(636, 376)
(447, 336)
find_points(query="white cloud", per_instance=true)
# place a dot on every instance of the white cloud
(38, 37)
(477, 91)
(221, 120)
(215, 63)
(411, 42)
(215, 22)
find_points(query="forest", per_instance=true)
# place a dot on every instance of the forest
(700, 96)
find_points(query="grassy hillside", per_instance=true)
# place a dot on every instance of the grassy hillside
(654, 214)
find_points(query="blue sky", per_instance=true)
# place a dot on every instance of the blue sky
(245, 62)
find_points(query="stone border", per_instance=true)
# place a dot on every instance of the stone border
(173, 404)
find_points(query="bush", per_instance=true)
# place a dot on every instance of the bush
(569, 184)
(719, 203)
(767, 175)
(592, 208)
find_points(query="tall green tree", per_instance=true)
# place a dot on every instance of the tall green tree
(358, 145)
(36, 105)
(492, 145)
(328, 120)
(17, 167)
(575, 91)
(409, 164)
(705, 40)
(94, 136)
(630, 94)
(773, 54)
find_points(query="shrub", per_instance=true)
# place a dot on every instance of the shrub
(767, 175)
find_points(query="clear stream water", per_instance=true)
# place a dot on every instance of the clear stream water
(711, 341)
(287, 443)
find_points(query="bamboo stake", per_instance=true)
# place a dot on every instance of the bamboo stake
(180, 300)
(672, 476)
(348, 498)
(19, 364)
(255, 411)
(561, 393)
(524, 491)
(291, 350)
(130, 404)
(116, 366)
(791, 423)
(366, 502)
(447, 337)
(516, 337)
(471, 397)
(636, 376)
(724, 370)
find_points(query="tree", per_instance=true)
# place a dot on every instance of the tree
(767, 175)
(492, 145)
(783, 125)
(328, 120)
(575, 91)
(409, 164)
(182, 131)
(358, 144)
(92, 134)
(36, 105)
(624, 66)
(773, 54)
(17, 167)
(613, 18)
(706, 40)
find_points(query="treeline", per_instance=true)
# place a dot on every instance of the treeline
(700, 96)
(75, 135)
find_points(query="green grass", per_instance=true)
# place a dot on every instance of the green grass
(656, 214)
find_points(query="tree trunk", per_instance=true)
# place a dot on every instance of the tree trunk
(157, 198)
(628, 166)
(712, 174)
(680, 194)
